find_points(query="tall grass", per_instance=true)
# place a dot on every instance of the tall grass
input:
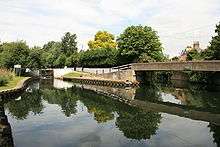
(5, 76)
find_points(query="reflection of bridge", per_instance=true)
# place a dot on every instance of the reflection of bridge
(212, 65)
(128, 96)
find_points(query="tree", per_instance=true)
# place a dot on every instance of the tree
(99, 57)
(73, 60)
(69, 44)
(35, 58)
(61, 60)
(137, 40)
(213, 51)
(14, 53)
(193, 55)
(49, 46)
(102, 39)
(51, 52)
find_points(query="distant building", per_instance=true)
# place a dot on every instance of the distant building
(188, 49)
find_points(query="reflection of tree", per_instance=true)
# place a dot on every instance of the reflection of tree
(100, 115)
(148, 93)
(205, 99)
(6, 139)
(99, 105)
(65, 99)
(137, 124)
(134, 123)
(29, 102)
(196, 96)
(216, 133)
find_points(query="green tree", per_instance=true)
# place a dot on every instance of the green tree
(137, 40)
(51, 52)
(213, 51)
(14, 53)
(69, 44)
(102, 39)
(99, 57)
(49, 46)
(61, 60)
(193, 55)
(35, 58)
(73, 60)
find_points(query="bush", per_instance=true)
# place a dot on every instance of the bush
(5, 76)
(3, 80)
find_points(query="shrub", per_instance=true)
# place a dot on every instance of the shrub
(5, 76)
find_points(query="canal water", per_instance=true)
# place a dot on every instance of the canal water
(61, 114)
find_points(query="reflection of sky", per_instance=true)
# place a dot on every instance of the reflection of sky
(169, 98)
(53, 129)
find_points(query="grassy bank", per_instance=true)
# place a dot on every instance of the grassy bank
(77, 74)
(12, 83)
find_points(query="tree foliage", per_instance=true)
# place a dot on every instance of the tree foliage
(14, 53)
(213, 51)
(102, 39)
(69, 44)
(138, 40)
(99, 58)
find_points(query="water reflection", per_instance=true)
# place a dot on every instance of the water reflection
(30, 102)
(138, 117)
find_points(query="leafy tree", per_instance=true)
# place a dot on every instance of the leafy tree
(14, 53)
(35, 58)
(137, 40)
(49, 46)
(69, 44)
(52, 50)
(102, 39)
(73, 60)
(61, 60)
(213, 51)
(193, 55)
(99, 58)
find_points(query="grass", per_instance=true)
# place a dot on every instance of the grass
(12, 83)
(76, 74)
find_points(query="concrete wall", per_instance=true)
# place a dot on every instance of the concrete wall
(212, 65)
(59, 72)
(124, 75)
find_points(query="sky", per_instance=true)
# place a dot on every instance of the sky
(178, 22)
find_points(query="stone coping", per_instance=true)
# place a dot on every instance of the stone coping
(21, 85)
(100, 81)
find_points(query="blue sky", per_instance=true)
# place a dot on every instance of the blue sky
(177, 22)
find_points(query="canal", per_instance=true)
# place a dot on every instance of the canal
(63, 114)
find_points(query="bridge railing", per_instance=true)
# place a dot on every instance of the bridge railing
(123, 67)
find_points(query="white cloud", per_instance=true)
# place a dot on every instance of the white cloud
(177, 22)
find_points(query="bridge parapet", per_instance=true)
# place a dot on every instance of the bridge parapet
(212, 65)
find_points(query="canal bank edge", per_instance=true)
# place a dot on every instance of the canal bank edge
(103, 82)
(21, 85)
